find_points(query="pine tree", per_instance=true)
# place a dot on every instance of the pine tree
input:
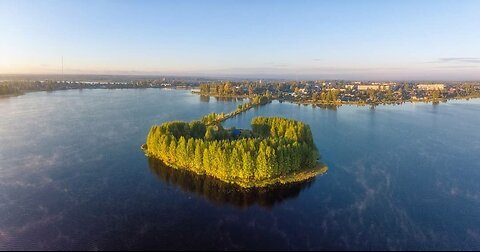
(198, 160)
(182, 157)
(172, 157)
(291, 134)
(235, 163)
(261, 171)
(206, 161)
(272, 164)
(210, 134)
(248, 166)
(191, 152)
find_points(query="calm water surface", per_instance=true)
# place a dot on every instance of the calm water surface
(72, 176)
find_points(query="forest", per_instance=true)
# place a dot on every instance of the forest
(274, 148)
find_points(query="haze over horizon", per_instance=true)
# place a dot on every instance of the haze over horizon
(382, 40)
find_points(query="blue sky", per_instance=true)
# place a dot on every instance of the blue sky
(287, 39)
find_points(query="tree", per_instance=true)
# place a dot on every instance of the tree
(190, 152)
(204, 88)
(323, 96)
(182, 156)
(210, 134)
(228, 88)
(221, 90)
(248, 166)
(291, 134)
(389, 95)
(435, 95)
(262, 164)
(172, 151)
(272, 165)
(197, 129)
(206, 161)
(235, 163)
(198, 159)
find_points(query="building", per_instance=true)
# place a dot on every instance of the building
(431, 86)
(373, 87)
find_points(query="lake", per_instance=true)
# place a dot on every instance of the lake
(73, 176)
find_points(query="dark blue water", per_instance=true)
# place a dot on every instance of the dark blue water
(72, 176)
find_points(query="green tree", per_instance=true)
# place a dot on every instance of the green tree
(172, 151)
(210, 134)
(262, 164)
(198, 160)
(182, 156)
(206, 161)
(190, 151)
(248, 166)
(228, 88)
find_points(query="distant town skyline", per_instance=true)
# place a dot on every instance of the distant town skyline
(352, 40)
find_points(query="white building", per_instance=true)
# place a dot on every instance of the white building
(431, 86)
(373, 87)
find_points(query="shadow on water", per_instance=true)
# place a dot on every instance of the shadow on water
(326, 106)
(220, 192)
(204, 98)
(228, 99)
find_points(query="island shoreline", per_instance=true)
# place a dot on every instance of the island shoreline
(297, 177)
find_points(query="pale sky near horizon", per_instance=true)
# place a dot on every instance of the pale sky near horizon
(398, 40)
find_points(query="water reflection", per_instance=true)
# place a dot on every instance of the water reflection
(219, 192)
(205, 98)
(228, 99)
(327, 106)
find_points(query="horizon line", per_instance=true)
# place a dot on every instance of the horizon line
(60, 75)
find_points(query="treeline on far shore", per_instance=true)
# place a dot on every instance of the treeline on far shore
(20, 87)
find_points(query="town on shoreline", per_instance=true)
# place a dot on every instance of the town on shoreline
(316, 92)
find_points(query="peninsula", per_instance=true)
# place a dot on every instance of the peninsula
(275, 150)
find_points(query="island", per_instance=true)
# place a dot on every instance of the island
(275, 151)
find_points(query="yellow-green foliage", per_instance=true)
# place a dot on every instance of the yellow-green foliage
(216, 118)
(279, 147)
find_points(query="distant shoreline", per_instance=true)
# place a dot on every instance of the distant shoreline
(307, 102)
(340, 103)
